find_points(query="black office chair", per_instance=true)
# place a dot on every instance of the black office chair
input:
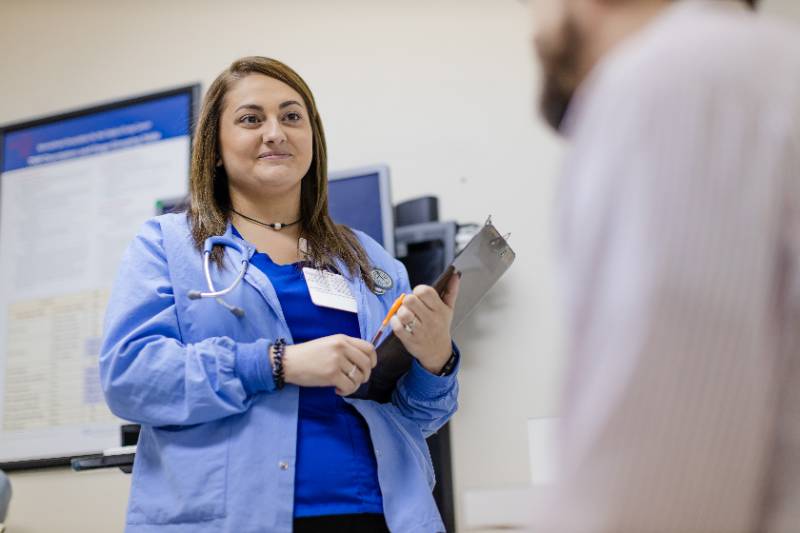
(5, 498)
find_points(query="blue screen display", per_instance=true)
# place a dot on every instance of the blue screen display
(98, 132)
(356, 202)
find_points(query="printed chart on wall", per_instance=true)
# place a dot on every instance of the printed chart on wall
(74, 190)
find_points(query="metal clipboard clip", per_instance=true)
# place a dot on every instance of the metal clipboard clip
(499, 243)
(482, 262)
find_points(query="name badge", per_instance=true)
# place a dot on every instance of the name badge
(328, 289)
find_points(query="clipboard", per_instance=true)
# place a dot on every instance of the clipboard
(481, 263)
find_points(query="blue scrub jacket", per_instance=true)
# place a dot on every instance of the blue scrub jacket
(211, 457)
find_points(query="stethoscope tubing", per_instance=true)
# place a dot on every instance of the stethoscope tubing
(212, 292)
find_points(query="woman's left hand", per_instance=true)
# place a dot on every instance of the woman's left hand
(423, 324)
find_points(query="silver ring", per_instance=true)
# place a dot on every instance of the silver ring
(410, 326)
(352, 372)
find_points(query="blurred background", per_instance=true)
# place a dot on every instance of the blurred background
(442, 91)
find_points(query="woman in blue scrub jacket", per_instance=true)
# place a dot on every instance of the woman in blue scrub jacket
(246, 426)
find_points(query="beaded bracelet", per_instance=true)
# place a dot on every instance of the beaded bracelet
(448, 367)
(277, 363)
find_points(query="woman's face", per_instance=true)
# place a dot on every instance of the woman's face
(265, 137)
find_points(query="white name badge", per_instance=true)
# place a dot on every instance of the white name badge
(328, 289)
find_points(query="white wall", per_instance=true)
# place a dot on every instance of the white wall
(441, 90)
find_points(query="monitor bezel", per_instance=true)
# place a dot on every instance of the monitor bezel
(384, 189)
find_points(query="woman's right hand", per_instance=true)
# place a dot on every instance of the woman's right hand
(336, 361)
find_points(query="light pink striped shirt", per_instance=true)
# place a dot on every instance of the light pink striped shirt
(680, 220)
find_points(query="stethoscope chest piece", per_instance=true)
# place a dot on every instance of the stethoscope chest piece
(382, 281)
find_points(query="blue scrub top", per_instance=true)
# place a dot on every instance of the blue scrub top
(336, 470)
(218, 447)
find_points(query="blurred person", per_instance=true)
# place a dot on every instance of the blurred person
(5, 498)
(245, 424)
(680, 239)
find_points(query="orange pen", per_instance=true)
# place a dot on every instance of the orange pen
(392, 310)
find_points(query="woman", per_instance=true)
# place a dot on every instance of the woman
(245, 424)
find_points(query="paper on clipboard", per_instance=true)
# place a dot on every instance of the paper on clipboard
(481, 263)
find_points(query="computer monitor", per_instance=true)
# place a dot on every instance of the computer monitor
(361, 198)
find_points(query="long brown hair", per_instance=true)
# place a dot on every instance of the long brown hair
(210, 202)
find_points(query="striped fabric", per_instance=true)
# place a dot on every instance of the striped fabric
(680, 241)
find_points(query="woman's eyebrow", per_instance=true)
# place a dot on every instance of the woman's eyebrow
(254, 107)
(287, 103)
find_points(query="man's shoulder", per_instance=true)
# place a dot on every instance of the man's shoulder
(704, 45)
(694, 55)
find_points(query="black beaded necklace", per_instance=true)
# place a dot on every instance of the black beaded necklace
(277, 226)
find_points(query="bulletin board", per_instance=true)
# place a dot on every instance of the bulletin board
(74, 190)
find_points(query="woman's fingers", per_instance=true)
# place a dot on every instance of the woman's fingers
(348, 379)
(400, 331)
(356, 365)
(352, 372)
(451, 292)
(423, 322)
(428, 296)
(338, 360)
(358, 358)
(344, 385)
(408, 318)
(365, 347)
(418, 310)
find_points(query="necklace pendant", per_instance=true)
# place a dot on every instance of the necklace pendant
(277, 226)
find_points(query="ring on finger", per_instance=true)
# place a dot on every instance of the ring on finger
(352, 372)
(410, 326)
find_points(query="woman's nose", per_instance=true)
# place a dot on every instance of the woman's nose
(273, 132)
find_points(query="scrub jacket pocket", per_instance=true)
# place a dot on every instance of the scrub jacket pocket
(191, 467)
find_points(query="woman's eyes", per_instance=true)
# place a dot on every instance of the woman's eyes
(290, 117)
(293, 116)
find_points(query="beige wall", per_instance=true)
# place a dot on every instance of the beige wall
(441, 90)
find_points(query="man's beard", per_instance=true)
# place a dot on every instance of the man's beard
(560, 68)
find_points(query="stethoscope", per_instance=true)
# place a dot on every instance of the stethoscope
(212, 291)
